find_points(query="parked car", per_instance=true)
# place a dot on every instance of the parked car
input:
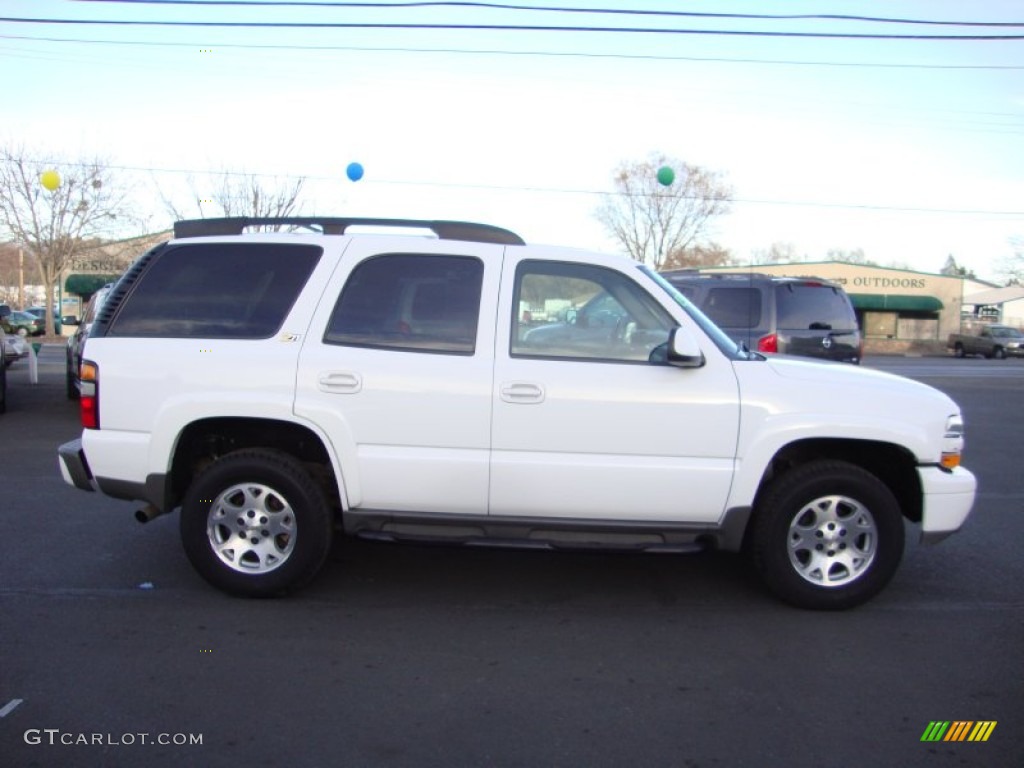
(998, 341)
(24, 323)
(282, 388)
(76, 342)
(40, 312)
(600, 321)
(15, 348)
(809, 317)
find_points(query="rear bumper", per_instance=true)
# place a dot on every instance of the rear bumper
(948, 498)
(73, 466)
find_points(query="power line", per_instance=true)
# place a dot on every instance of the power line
(562, 191)
(497, 52)
(509, 28)
(563, 9)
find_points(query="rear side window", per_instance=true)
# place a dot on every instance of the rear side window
(733, 307)
(410, 302)
(812, 307)
(216, 291)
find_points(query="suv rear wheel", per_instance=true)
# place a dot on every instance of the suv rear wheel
(827, 535)
(256, 524)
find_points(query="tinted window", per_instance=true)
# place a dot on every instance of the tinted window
(575, 311)
(812, 307)
(733, 307)
(410, 302)
(216, 291)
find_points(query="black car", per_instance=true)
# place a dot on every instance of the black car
(804, 316)
(76, 341)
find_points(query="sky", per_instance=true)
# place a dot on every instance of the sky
(910, 150)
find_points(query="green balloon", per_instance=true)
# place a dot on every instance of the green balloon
(666, 176)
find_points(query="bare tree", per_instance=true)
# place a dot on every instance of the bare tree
(51, 224)
(653, 220)
(9, 274)
(710, 255)
(233, 193)
(778, 253)
(1011, 268)
(855, 256)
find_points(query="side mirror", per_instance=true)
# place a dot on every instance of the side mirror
(683, 351)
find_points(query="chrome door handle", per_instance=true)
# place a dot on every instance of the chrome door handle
(340, 382)
(522, 392)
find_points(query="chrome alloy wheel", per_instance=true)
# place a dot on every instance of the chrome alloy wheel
(832, 541)
(251, 528)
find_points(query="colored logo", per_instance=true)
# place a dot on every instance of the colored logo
(959, 730)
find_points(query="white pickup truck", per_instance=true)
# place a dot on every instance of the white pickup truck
(281, 387)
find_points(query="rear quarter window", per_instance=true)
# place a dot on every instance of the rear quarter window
(733, 307)
(216, 291)
(410, 302)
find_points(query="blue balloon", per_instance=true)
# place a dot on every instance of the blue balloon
(354, 171)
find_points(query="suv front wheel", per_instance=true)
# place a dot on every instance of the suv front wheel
(827, 535)
(255, 523)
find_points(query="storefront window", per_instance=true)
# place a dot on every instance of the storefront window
(880, 325)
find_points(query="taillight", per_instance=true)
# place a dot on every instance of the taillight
(89, 402)
(769, 343)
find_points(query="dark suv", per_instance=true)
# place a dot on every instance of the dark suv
(804, 316)
(76, 341)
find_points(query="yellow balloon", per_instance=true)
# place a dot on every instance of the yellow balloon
(50, 180)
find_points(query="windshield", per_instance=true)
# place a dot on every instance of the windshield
(717, 335)
(1006, 333)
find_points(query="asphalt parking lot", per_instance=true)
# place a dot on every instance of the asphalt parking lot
(402, 655)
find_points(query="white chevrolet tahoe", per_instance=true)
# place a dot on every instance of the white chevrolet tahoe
(453, 383)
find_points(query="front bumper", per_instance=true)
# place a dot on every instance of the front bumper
(947, 500)
(73, 466)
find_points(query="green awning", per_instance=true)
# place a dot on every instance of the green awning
(895, 302)
(87, 285)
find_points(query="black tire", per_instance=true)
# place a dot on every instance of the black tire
(958, 350)
(826, 535)
(999, 353)
(268, 504)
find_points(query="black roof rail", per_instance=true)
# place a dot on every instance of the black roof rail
(694, 272)
(329, 225)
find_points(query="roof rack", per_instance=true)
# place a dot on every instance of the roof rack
(695, 272)
(445, 230)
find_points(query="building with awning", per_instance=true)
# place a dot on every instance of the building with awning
(898, 310)
(895, 302)
(98, 263)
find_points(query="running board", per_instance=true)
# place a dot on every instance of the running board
(541, 533)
